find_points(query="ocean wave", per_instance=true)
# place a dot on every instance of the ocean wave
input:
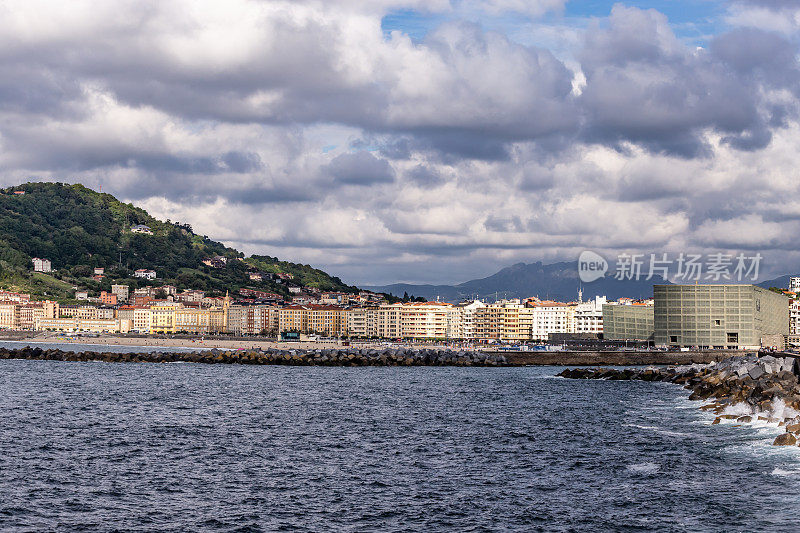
(781, 472)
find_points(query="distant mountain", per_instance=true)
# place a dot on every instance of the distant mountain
(79, 229)
(556, 281)
(781, 282)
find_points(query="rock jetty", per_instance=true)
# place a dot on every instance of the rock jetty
(743, 389)
(300, 357)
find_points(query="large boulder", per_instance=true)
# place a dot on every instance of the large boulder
(743, 369)
(756, 372)
(786, 439)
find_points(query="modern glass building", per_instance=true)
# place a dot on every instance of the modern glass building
(719, 316)
(627, 322)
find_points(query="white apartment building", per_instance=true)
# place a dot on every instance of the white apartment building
(589, 316)
(794, 284)
(794, 317)
(551, 317)
(41, 265)
(462, 320)
(145, 273)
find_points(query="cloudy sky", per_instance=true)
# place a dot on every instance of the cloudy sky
(419, 141)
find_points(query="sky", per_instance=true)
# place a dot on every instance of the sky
(420, 141)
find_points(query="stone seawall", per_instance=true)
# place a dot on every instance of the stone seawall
(618, 358)
(743, 389)
(320, 357)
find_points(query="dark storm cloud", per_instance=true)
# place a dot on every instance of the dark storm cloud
(360, 168)
(645, 87)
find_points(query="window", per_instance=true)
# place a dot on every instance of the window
(673, 338)
(717, 322)
(733, 338)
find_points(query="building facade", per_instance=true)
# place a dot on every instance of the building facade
(589, 316)
(551, 317)
(719, 316)
(41, 265)
(121, 291)
(628, 322)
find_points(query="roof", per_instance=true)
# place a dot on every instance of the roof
(547, 303)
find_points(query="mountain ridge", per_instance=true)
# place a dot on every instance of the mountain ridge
(558, 281)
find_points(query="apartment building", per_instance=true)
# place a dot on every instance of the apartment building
(121, 291)
(463, 319)
(14, 297)
(84, 325)
(325, 320)
(22, 314)
(357, 322)
(589, 316)
(108, 298)
(259, 320)
(504, 320)
(41, 265)
(794, 317)
(424, 320)
(142, 319)
(551, 317)
(9, 316)
(162, 317)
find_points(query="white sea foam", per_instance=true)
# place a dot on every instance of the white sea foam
(780, 472)
(659, 430)
(738, 409)
(643, 468)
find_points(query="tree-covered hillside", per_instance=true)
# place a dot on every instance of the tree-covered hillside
(78, 229)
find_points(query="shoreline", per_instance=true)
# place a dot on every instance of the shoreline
(513, 358)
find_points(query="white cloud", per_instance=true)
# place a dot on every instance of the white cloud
(299, 129)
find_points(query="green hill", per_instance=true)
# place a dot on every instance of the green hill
(78, 229)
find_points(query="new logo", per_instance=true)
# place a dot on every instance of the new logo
(591, 266)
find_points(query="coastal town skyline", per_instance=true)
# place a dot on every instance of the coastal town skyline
(399, 265)
(436, 142)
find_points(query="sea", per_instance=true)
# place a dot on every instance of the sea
(189, 447)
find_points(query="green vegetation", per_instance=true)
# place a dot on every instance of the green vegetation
(78, 229)
(304, 275)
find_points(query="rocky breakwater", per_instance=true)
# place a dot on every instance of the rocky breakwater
(319, 357)
(744, 389)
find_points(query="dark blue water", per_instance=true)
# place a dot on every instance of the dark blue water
(184, 447)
